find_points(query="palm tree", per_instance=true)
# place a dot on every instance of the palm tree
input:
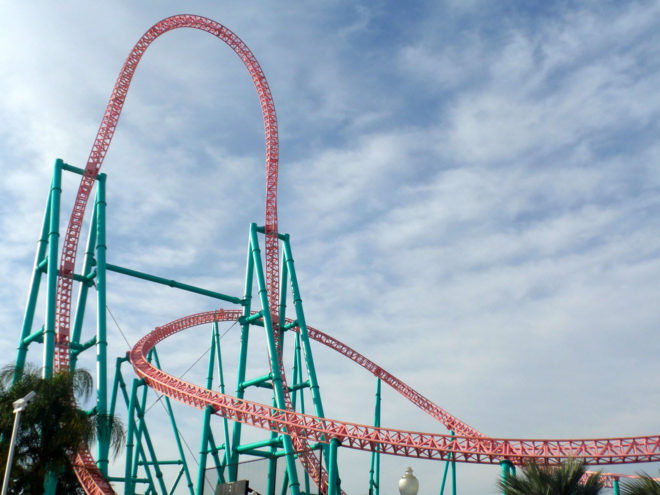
(564, 479)
(52, 430)
(644, 485)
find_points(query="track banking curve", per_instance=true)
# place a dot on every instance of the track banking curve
(463, 448)
(468, 444)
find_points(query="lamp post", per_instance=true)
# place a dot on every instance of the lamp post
(19, 407)
(408, 484)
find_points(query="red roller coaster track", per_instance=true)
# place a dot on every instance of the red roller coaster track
(469, 445)
(465, 448)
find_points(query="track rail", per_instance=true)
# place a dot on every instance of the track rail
(94, 162)
(469, 445)
(462, 448)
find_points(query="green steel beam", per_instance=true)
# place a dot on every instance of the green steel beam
(203, 452)
(291, 325)
(284, 275)
(120, 479)
(53, 242)
(88, 265)
(302, 325)
(253, 318)
(117, 383)
(43, 265)
(175, 429)
(37, 336)
(208, 410)
(242, 359)
(78, 348)
(294, 485)
(258, 453)
(221, 378)
(129, 489)
(507, 470)
(271, 442)
(214, 448)
(175, 462)
(103, 444)
(143, 432)
(299, 385)
(71, 168)
(333, 475)
(173, 283)
(131, 447)
(453, 471)
(176, 481)
(272, 464)
(256, 381)
(374, 470)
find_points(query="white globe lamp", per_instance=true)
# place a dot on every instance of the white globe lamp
(408, 484)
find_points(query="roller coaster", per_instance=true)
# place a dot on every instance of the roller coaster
(311, 441)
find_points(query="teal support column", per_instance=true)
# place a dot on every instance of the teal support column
(285, 482)
(333, 475)
(33, 293)
(172, 283)
(297, 388)
(203, 450)
(88, 264)
(133, 447)
(130, 442)
(284, 275)
(453, 471)
(219, 466)
(101, 330)
(281, 323)
(129, 488)
(221, 377)
(444, 477)
(208, 410)
(53, 243)
(144, 432)
(374, 471)
(50, 483)
(295, 373)
(272, 461)
(507, 469)
(294, 485)
(302, 326)
(242, 359)
(175, 428)
(615, 486)
(117, 383)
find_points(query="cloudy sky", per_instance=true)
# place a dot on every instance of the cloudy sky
(472, 189)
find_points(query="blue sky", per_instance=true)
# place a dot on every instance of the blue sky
(472, 190)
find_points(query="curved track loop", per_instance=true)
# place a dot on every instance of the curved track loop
(89, 476)
(471, 449)
(468, 446)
